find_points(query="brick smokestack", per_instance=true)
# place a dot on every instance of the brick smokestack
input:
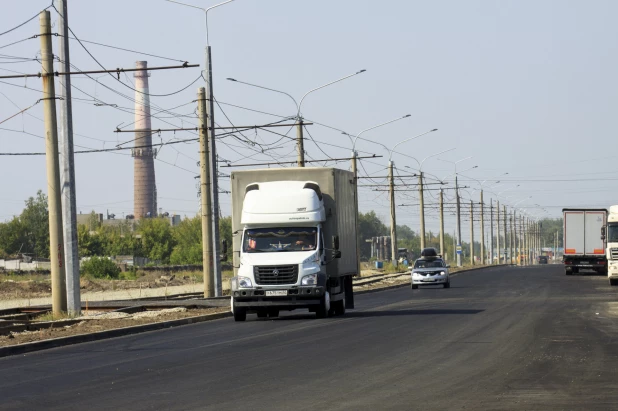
(144, 194)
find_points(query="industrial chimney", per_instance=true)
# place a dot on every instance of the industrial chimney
(144, 194)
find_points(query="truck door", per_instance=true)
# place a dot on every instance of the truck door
(593, 243)
(574, 227)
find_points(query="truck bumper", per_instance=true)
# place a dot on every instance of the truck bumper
(298, 297)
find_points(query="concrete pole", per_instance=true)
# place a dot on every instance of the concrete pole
(491, 231)
(206, 206)
(471, 233)
(59, 300)
(458, 222)
(517, 252)
(511, 238)
(422, 201)
(393, 219)
(214, 176)
(442, 223)
(354, 170)
(482, 231)
(498, 232)
(67, 171)
(505, 215)
(300, 143)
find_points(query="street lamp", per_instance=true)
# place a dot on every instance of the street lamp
(299, 120)
(391, 186)
(422, 201)
(458, 251)
(214, 181)
(354, 170)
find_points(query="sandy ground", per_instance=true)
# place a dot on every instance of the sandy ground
(105, 321)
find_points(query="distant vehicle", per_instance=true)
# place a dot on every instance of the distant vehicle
(430, 269)
(542, 259)
(584, 247)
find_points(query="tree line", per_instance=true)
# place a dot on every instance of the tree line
(160, 242)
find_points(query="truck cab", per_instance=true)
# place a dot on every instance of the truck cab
(610, 234)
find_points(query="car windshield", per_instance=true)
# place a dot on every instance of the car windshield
(261, 240)
(612, 233)
(428, 263)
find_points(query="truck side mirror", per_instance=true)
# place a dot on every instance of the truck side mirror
(602, 233)
(223, 255)
(336, 242)
(336, 254)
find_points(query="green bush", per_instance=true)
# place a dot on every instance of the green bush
(100, 267)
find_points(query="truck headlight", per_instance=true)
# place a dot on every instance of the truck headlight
(313, 258)
(311, 279)
(244, 282)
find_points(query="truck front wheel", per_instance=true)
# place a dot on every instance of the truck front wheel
(613, 281)
(240, 313)
(323, 309)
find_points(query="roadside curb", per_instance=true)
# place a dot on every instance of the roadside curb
(103, 335)
(121, 332)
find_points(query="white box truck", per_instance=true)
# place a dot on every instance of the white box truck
(584, 247)
(294, 241)
(610, 235)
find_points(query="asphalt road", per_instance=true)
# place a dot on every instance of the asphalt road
(500, 339)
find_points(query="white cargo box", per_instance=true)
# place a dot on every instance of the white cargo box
(582, 231)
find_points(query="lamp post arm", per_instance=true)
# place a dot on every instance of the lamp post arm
(204, 10)
(371, 128)
(390, 155)
(325, 85)
(264, 88)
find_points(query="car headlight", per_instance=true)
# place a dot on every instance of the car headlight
(311, 279)
(442, 272)
(313, 258)
(244, 282)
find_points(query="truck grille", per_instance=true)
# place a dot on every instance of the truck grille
(614, 253)
(275, 274)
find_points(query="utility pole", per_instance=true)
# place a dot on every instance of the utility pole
(205, 193)
(498, 231)
(442, 222)
(422, 201)
(517, 252)
(59, 301)
(505, 215)
(491, 231)
(393, 219)
(67, 171)
(471, 233)
(458, 250)
(300, 143)
(482, 231)
(214, 176)
(511, 238)
(355, 172)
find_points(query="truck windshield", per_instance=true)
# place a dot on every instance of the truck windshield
(261, 240)
(428, 263)
(612, 233)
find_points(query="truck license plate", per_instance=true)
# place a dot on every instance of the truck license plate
(276, 293)
(583, 262)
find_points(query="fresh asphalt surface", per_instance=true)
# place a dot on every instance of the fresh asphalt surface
(525, 338)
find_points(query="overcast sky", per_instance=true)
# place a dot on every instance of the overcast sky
(527, 88)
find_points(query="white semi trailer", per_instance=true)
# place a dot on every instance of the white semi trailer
(584, 247)
(294, 241)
